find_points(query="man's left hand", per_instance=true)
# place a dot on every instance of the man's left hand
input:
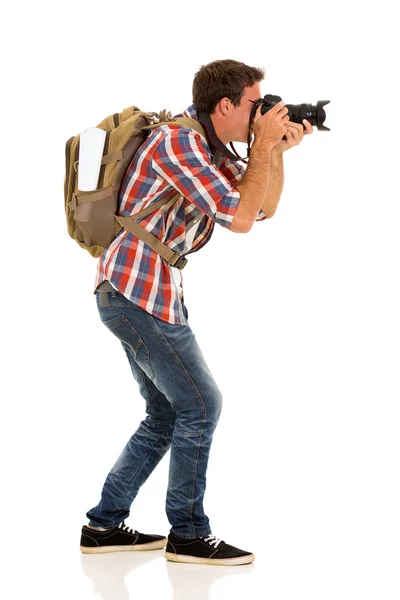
(294, 134)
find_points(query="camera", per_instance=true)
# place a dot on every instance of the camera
(315, 114)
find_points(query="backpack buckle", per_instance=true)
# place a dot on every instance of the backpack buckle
(180, 263)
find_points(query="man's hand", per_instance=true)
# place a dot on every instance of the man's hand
(294, 135)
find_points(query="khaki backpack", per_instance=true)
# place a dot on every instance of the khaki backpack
(91, 216)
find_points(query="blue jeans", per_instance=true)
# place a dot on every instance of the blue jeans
(183, 405)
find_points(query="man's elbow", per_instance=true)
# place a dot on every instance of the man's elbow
(243, 226)
(239, 225)
(249, 226)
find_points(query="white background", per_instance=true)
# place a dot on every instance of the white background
(298, 319)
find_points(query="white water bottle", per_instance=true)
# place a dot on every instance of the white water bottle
(91, 148)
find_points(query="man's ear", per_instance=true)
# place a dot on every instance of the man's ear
(223, 106)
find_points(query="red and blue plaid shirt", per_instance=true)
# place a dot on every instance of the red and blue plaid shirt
(172, 157)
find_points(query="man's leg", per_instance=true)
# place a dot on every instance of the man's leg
(138, 459)
(172, 361)
(197, 401)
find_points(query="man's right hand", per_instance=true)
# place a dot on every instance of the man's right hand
(270, 128)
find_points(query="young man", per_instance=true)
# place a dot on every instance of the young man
(140, 300)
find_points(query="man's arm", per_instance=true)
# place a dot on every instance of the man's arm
(269, 129)
(294, 135)
(260, 188)
(275, 184)
(253, 187)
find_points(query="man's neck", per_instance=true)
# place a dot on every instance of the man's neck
(222, 134)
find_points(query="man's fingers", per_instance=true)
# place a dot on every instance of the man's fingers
(299, 126)
(257, 114)
(294, 128)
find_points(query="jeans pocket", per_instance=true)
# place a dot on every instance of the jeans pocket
(132, 342)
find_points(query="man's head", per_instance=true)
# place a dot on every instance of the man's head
(224, 89)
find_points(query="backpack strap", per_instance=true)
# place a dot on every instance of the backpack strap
(130, 223)
(166, 119)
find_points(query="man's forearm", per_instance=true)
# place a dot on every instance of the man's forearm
(252, 187)
(275, 184)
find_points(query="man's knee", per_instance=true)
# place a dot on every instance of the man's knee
(217, 405)
(207, 414)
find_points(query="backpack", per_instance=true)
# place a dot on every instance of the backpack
(91, 216)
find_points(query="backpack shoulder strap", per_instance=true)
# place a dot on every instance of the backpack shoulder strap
(130, 223)
(191, 124)
(167, 119)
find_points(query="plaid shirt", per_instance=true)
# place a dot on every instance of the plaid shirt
(179, 158)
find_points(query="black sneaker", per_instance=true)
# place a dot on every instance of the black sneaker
(207, 550)
(117, 539)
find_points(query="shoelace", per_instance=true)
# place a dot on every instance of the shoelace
(125, 527)
(212, 539)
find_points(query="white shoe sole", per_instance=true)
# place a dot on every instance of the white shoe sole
(136, 547)
(185, 558)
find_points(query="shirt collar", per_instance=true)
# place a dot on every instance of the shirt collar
(191, 112)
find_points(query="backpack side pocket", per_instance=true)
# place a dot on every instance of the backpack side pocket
(94, 215)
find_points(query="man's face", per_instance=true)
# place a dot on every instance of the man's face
(239, 125)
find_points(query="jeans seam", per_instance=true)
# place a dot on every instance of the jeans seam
(141, 465)
(194, 481)
(147, 355)
(148, 392)
(178, 360)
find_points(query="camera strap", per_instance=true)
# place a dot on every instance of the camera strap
(214, 141)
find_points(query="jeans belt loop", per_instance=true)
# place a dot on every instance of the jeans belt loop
(104, 288)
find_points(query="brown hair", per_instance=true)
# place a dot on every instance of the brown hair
(220, 79)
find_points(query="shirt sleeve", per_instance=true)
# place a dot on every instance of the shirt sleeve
(183, 159)
(234, 172)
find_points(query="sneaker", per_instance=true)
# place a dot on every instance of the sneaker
(208, 550)
(118, 539)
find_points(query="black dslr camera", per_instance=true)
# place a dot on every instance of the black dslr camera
(297, 112)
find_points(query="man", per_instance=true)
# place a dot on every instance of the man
(140, 300)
